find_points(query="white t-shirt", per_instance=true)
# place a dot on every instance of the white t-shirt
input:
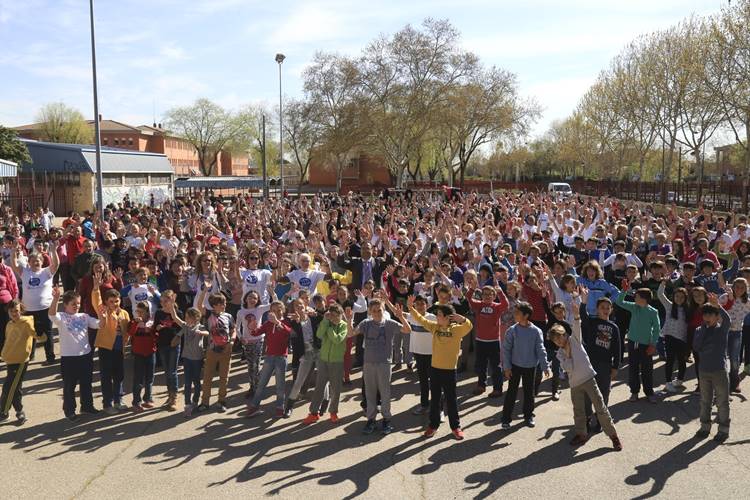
(74, 333)
(256, 280)
(306, 279)
(141, 293)
(37, 289)
(246, 317)
(420, 340)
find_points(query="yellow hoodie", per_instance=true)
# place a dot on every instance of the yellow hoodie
(19, 340)
(446, 341)
(107, 333)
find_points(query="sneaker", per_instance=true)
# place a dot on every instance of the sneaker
(556, 396)
(479, 389)
(334, 418)
(420, 410)
(387, 428)
(3, 417)
(702, 434)
(429, 432)
(279, 412)
(110, 410)
(720, 437)
(530, 422)
(653, 399)
(90, 410)
(147, 404)
(251, 411)
(458, 434)
(633, 397)
(505, 426)
(287, 412)
(71, 416)
(188, 410)
(21, 417)
(369, 427)
(310, 419)
(496, 393)
(137, 408)
(737, 390)
(579, 440)
(121, 406)
(678, 383)
(670, 387)
(222, 407)
(616, 444)
(202, 407)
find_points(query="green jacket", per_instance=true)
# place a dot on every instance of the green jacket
(644, 321)
(333, 338)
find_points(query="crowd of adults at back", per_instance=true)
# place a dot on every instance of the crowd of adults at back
(538, 291)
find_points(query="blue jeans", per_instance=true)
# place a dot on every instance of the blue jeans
(192, 380)
(272, 365)
(734, 346)
(143, 377)
(169, 357)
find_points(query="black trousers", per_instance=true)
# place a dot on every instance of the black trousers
(424, 364)
(488, 353)
(677, 351)
(12, 388)
(525, 375)
(603, 382)
(4, 318)
(112, 373)
(443, 383)
(746, 345)
(76, 371)
(43, 325)
(640, 369)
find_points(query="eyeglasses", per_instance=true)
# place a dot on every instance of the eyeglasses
(253, 257)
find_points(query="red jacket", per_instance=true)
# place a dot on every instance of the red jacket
(142, 339)
(8, 284)
(277, 338)
(74, 248)
(487, 316)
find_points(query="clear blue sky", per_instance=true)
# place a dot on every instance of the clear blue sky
(156, 54)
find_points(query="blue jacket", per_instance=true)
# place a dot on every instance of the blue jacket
(597, 289)
(711, 345)
(524, 346)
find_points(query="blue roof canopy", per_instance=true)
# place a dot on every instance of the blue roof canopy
(53, 157)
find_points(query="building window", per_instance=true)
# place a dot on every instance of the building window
(105, 141)
(161, 179)
(110, 180)
(130, 141)
(136, 180)
(117, 141)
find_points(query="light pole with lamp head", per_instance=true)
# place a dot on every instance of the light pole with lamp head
(97, 125)
(280, 59)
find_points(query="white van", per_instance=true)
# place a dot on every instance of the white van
(559, 189)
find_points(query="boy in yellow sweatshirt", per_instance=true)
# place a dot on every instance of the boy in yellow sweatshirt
(19, 341)
(113, 325)
(447, 333)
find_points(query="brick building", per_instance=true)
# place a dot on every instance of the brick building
(364, 172)
(155, 139)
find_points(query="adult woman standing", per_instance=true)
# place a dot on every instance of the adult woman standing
(36, 283)
(98, 266)
(205, 270)
(8, 292)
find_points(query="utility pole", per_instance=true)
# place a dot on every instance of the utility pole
(97, 125)
(263, 155)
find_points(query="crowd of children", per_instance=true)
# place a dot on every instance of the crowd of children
(535, 287)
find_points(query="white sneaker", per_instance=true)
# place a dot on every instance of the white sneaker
(670, 387)
(121, 406)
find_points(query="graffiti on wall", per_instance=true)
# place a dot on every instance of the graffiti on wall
(138, 194)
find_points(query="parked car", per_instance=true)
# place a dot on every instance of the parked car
(559, 189)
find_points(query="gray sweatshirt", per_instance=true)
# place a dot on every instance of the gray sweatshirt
(577, 366)
(711, 344)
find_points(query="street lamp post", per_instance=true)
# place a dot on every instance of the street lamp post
(280, 59)
(97, 128)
